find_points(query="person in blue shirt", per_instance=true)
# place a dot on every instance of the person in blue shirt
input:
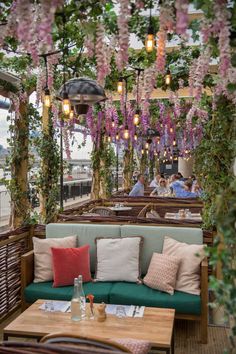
(138, 188)
(185, 191)
(176, 185)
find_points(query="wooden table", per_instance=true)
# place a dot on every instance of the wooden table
(120, 209)
(156, 326)
(192, 216)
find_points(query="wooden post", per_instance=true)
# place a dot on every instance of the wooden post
(103, 193)
(128, 168)
(96, 174)
(20, 205)
(44, 166)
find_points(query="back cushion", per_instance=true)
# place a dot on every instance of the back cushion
(87, 233)
(154, 238)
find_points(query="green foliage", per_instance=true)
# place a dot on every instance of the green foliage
(48, 178)
(217, 147)
(103, 160)
(224, 251)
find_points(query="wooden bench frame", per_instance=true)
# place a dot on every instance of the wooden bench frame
(27, 277)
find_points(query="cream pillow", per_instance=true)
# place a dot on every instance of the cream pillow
(118, 259)
(43, 255)
(162, 272)
(188, 276)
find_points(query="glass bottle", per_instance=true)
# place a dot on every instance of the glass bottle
(76, 302)
(82, 297)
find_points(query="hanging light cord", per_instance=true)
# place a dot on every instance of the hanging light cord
(138, 88)
(64, 50)
(46, 68)
(150, 15)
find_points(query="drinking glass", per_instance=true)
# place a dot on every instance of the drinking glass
(120, 311)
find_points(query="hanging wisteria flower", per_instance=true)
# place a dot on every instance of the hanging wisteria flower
(89, 44)
(149, 81)
(161, 51)
(181, 16)
(55, 113)
(122, 56)
(167, 17)
(66, 142)
(102, 55)
(197, 73)
(174, 98)
(15, 104)
(31, 24)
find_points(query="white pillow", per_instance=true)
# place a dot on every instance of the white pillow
(118, 259)
(43, 255)
(188, 276)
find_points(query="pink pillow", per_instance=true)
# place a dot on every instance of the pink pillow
(68, 263)
(136, 346)
(162, 272)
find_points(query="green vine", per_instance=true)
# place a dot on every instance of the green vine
(47, 181)
(217, 147)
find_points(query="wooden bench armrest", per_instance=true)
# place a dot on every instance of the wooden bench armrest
(204, 299)
(27, 273)
(204, 263)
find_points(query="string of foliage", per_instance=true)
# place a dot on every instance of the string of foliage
(47, 182)
(217, 148)
(213, 163)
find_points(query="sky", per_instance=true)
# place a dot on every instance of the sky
(83, 153)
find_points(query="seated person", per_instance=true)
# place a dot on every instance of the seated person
(176, 184)
(185, 191)
(161, 189)
(196, 188)
(138, 188)
(155, 181)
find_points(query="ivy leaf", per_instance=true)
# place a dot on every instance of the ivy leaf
(233, 60)
(231, 87)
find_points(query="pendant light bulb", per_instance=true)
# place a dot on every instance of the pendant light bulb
(168, 78)
(113, 123)
(171, 130)
(174, 143)
(109, 138)
(142, 151)
(135, 137)
(66, 107)
(71, 115)
(120, 86)
(136, 118)
(147, 145)
(149, 42)
(47, 98)
(117, 137)
(126, 133)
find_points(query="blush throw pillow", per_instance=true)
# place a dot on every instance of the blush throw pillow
(69, 263)
(188, 276)
(43, 255)
(136, 346)
(162, 273)
(118, 259)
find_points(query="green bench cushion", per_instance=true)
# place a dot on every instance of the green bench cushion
(36, 291)
(133, 294)
(119, 293)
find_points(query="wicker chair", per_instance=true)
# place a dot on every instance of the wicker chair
(57, 348)
(147, 208)
(72, 341)
(103, 211)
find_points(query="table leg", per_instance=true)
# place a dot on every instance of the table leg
(5, 336)
(173, 342)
